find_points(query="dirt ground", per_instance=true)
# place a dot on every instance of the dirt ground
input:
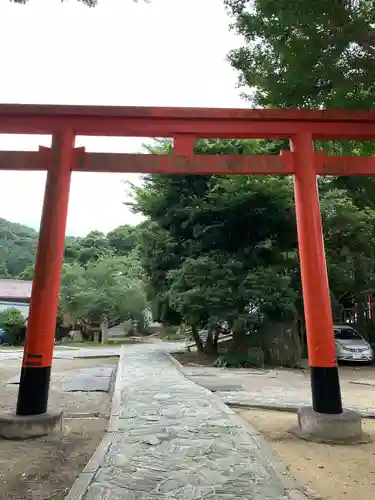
(46, 468)
(334, 472)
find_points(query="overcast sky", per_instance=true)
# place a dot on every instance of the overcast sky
(168, 53)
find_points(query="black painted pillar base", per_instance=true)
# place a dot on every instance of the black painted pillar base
(33, 390)
(325, 388)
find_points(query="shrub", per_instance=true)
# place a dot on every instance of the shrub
(12, 321)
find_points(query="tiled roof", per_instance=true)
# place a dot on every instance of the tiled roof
(15, 289)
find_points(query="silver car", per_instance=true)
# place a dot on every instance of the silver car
(351, 346)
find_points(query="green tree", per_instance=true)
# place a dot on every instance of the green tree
(159, 252)
(73, 297)
(123, 239)
(87, 249)
(217, 290)
(310, 55)
(350, 241)
(17, 248)
(28, 273)
(4, 271)
(201, 225)
(306, 54)
(321, 54)
(110, 287)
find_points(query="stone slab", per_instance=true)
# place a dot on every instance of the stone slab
(63, 355)
(101, 371)
(84, 383)
(14, 426)
(217, 387)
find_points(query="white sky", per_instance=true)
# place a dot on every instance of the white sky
(169, 53)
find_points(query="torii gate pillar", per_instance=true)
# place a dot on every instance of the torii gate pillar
(40, 337)
(326, 395)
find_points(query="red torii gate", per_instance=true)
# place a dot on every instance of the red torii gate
(184, 125)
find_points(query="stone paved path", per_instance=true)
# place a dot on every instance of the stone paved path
(170, 438)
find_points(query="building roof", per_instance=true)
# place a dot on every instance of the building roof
(15, 289)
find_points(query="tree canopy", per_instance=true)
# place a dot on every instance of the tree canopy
(310, 55)
(101, 276)
(109, 287)
(306, 54)
(17, 248)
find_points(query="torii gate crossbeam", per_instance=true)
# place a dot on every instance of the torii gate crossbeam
(184, 125)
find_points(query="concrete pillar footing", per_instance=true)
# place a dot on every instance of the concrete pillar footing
(343, 428)
(14, 426)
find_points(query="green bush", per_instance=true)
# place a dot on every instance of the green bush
(12, 321)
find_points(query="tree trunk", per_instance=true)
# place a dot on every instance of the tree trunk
(281, 344)
(104, 329)
(216, 339)
(210, 347)
(361, 321)
(301, 329)
(240, 340)
(197, 339)
(264, 342)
